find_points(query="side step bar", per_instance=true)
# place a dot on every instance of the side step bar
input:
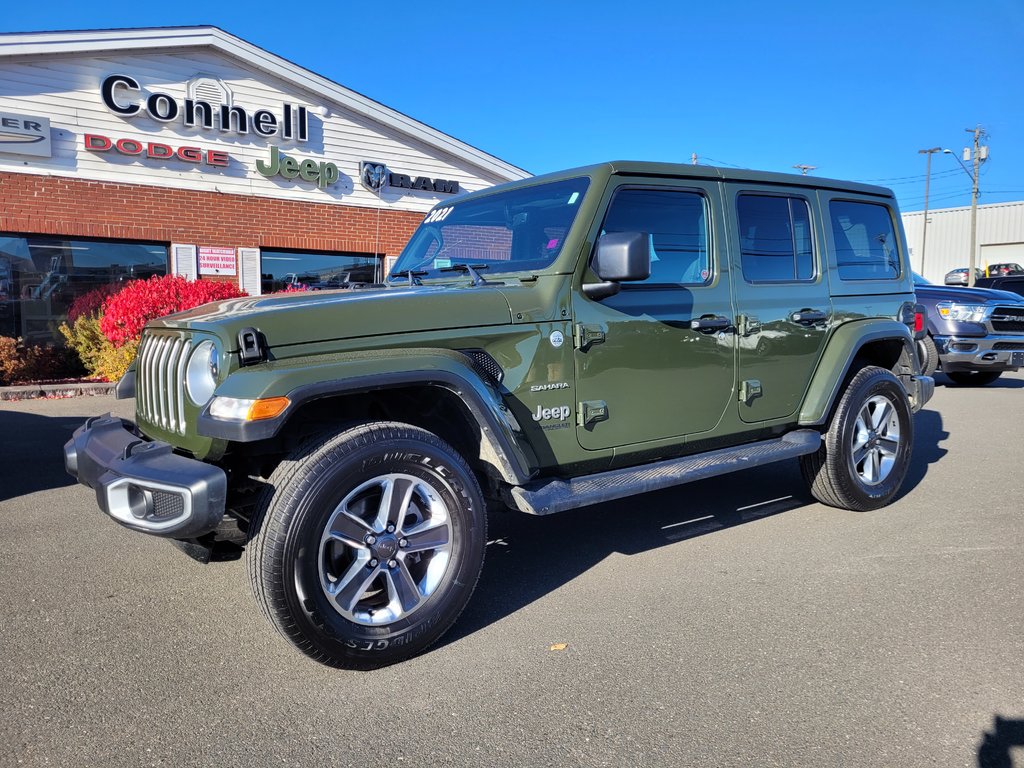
(545, 497)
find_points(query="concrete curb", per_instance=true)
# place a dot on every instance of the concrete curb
(71, 389)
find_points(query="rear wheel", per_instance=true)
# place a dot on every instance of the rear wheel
(865, 454)
(929, 355)
(973, 378)
(368, 544)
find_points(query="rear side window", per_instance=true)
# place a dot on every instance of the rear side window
(866, 247)
(775, 239)
(677, 223)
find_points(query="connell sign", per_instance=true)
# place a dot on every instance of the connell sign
(123, 95)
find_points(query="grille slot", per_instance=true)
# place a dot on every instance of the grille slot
(1008, 345)
(160, 380)
(1008, 319)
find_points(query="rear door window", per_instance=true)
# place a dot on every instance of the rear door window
(775, 239)
(865, 241)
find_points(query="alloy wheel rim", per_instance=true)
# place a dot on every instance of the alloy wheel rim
(875, 441)
(385, 549)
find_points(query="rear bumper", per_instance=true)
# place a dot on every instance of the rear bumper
(920, 390)
(143, 484)
(980, 353)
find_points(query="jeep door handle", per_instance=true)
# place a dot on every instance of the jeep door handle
(711, 323)
(809, 316)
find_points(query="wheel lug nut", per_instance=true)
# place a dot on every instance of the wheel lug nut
(370, 539)
(391, 529)
(373, 563)
(403, 543)
(392, 563)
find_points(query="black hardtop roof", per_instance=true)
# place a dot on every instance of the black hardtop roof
(684, 171)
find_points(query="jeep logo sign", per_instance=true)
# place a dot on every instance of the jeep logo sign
(24, 135)
(376, 177)
(322, 173)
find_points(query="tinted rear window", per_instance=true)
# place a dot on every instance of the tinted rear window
(865, 241)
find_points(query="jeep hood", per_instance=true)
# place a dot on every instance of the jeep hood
(296, 318)
(965, 295)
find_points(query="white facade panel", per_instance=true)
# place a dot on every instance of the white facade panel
(66, 88)
(949, 236)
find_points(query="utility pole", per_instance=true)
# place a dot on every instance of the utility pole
(805, 168)
(978, 133)
(927, 181)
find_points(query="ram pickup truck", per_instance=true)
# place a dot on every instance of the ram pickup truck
(547, 344)
(974, 334)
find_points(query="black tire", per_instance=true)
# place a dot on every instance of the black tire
(929, 355)
(833, 475)
(973, 378)
(294, 562)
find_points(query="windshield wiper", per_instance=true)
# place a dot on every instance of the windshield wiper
(412, 275)
(469, 268)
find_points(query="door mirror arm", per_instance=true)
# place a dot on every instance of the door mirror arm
(619, 257)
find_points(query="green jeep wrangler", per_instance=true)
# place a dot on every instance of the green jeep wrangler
(551, 343)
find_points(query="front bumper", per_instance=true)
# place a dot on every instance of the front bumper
(1001, 352)
(143, 484)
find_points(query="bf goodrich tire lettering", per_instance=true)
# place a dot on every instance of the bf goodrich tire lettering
(368, 544)
(866, 452)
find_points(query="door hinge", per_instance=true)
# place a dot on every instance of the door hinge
(586, 335)
(749, 390)
(747, 325)
(590, 412)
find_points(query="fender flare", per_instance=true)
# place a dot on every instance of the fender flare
(840, 352)
(305, 379)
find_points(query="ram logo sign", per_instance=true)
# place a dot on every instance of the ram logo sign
(376, 177)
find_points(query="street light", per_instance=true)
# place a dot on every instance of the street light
(927, 181)
(979, 155)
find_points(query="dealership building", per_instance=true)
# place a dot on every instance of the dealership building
(131, 153)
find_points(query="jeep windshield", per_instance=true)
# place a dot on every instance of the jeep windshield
(515, 231)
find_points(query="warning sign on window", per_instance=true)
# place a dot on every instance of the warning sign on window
(217, 261)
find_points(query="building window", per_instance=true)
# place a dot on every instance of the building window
(41, 276)
(866, 247)
(280, 270)
(775, 239)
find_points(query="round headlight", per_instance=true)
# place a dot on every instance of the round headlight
(201, 374)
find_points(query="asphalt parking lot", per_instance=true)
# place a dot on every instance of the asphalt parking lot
(732, 622)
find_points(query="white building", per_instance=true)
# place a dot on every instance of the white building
(1000, 237)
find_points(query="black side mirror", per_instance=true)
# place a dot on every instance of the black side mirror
(618, 258)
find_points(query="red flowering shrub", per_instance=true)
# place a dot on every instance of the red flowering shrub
(126, 312)
(91, 303)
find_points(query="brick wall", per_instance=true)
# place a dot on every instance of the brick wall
(53, 205)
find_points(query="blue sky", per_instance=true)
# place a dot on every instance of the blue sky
(855, 89)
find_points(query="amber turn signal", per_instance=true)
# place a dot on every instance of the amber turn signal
(268, 408)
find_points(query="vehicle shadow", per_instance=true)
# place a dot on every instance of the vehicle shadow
(929, 432)
(529, 557)
(994, 750)
(31, 459)
(1003, 382)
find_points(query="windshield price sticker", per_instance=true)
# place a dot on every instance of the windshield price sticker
(438, 215)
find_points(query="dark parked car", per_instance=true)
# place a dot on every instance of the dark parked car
(1012, 283)
(959, 276)
(974, 334)
(1002, 270)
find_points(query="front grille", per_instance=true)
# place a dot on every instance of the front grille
(1008, 319)
(160, 380)
(1008, 345)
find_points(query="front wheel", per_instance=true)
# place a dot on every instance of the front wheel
(973, 378)
(865, 454)
(368, 544)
